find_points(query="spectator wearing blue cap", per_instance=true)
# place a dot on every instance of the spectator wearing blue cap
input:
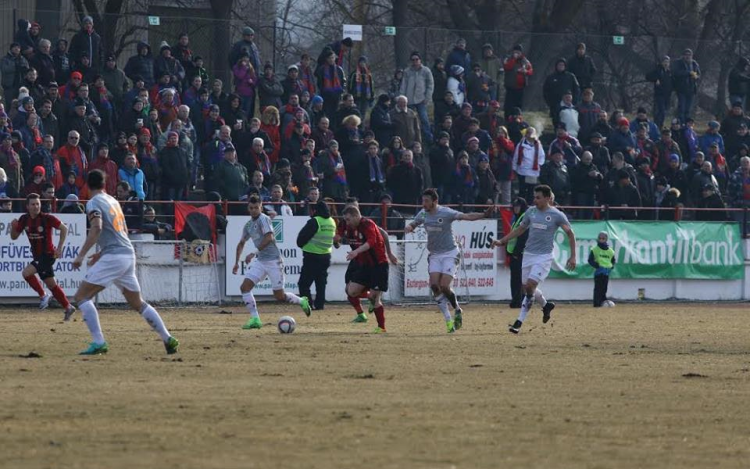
(711, 136)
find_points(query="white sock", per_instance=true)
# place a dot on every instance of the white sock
(91, 318)
(539, 297)
(442, 303)
(250, 303)
(525, 307)
(293, 299)
(154, 320)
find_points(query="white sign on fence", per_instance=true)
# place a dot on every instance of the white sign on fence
(154, 21)
(16, 255)
(479, 259)
(285, 230)
(354, 31)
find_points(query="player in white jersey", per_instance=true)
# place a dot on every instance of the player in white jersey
(266, 262)
(443, 252)
(542, 221)
(113, 263)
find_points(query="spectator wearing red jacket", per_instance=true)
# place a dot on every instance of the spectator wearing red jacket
(517, 69)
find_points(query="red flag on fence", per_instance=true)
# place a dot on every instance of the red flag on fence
(506, 215)
(193, 223)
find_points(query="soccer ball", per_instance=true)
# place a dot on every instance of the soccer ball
(286, 324)
(608, 304)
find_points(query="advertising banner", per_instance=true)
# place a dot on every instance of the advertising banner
(663, 250)
(16, 255)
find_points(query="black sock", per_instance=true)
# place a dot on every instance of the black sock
(452, 299)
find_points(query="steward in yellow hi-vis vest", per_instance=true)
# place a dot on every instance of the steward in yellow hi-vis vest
(602, 259)
(316, 241)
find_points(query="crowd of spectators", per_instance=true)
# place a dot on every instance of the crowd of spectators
(163, 129)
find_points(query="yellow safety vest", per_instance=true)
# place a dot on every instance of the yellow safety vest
(322, 242)
(512, 243)
(603, 257)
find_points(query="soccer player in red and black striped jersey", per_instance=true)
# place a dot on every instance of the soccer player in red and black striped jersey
(371, 261)
(38, 227)
(350, 236)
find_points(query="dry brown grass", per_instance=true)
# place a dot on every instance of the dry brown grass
(638, 386)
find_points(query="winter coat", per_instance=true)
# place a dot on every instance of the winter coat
(707, 140)
(583, 183)
(171, 66)
(62, 65)
(664, 77)
(231, 179)
(516, 76)
(620, 196)
(251, 49)
(13, 70)
(737, 188)
(84, 43)
(653, 131)
(136, 179)
(584, 69)
(486, 186)
(406, 125)
(140, 65)
(558, 179)
(683, 82)
(175, 169)
(270, 92)
(714, 202)
(22, 36)
(588, 114)
(381, 124)
(620, 141)
(556, 85)
(458, 57)
(244, 81)
(45, 66)
(457, 87)
(405, 181)
(739, 79)
(442, 165)
(440, 80)
(417, 85)
(116, 82)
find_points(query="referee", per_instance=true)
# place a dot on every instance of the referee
(316, 241)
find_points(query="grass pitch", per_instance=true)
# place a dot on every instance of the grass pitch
(636, 386)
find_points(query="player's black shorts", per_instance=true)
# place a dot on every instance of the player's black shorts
(45, 266)
(374, 277)
(351, 271)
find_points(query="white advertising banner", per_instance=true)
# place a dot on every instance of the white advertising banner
(16, 255)
(477, 270)
(285, 230)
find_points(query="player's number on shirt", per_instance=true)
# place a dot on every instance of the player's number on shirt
(118, 219)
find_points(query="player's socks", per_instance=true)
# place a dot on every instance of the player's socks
(60, 296)
(539, 298)
(442, 303)
(451, 296)
(154, 320)
(354, 301)
(528, 301)
(35, 284)
(365, 294)
(380, 316)
(250, 304)
(91, 318)
(293, 299)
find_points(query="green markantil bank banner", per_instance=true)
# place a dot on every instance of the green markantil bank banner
(667, 250)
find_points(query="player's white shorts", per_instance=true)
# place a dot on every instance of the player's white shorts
(535, 267)
(258, 270)
(114, 268)
(443, 262)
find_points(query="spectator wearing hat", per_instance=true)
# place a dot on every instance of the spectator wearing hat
(622, 140)
(115, 80)
(623, 198)
(331, 166)
(517, 70)
(459, 56)
(528, 159)
(417, 86)
(487, 190)
(380, 119)
(361, 86)
(292, 83)
(661, 77)
(141, 66)
(62, 61)
(35, 182)
(554, 173)
(603, 127)
(567, 145)
(583, 67)
(86, 43)
(270, 90)
(331, 82)
(702, 178)
(484, 140)
(493, 67)
(666, 199)
(316, 111)
(694, 167)
(711, 136)
(339, 49)
(13, 68)
(478, 85)
(687, 74)
(230, 178)
(103, 163)
(734, 161)
(246, 45)
(456, 85)
(82, 125)
(641, 118)
(167, 64)
(711, 205)
(588, 113)
(732, 122)
(663, 150)
(199, 69)
(738, 81)
(556, 85)
(645, 179)
(71, 205)
(490, 120)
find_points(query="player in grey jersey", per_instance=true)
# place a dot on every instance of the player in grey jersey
(443, 251)
(266, 262)
(542, 221)
(114, 263)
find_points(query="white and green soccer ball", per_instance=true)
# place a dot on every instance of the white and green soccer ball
(286, 324)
